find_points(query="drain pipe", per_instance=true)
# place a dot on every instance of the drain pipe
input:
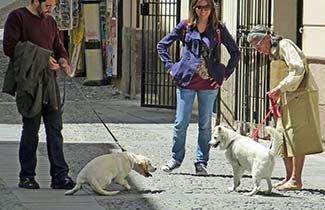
(130, 51)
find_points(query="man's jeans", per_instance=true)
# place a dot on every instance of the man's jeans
(54, 141)
(185, 99)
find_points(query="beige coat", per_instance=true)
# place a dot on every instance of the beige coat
(300, 123)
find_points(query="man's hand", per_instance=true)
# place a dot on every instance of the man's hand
(65, 67)
(53, 64)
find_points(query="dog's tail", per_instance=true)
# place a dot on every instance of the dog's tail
(98, 189)
(276, 139)
(73, 190)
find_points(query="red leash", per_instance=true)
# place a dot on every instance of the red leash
(276, 113)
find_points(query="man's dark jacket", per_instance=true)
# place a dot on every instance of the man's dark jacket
(30, 78)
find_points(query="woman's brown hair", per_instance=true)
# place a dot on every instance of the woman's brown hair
(213, 19)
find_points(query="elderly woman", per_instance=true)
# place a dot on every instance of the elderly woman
(297, 95)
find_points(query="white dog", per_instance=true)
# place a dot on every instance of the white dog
(245, 154)
(100, 171)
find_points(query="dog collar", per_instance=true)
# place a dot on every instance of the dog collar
(230, 144)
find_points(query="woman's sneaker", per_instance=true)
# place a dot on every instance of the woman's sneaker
(28, 183)
(201, 169)
(171, 165)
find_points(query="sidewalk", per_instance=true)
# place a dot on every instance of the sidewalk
(116, 112)
(48, 199)
(4, 3)
(44, 198)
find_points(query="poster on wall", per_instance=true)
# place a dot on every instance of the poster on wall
(67, 14)
(111, 39)
(112, 28)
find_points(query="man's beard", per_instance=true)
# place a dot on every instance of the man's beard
(39, 11)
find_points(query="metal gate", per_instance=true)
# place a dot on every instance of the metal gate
(159, 17)
(252, 75)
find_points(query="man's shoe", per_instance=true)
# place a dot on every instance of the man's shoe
(67, 183)
(201, 169)
(28, 183)
(171, 165)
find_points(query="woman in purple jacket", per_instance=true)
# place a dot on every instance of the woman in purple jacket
(198, 72)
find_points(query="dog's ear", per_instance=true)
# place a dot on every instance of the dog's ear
(220, 130)
(133, 158)
(142, 163)
(142, 167)
(137, 159)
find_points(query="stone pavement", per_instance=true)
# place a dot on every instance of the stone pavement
(45, 198)
(180, 190)
(145, 131)
(4, 3)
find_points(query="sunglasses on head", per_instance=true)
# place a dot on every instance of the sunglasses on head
(203, 7)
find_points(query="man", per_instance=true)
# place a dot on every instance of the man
(34, 24)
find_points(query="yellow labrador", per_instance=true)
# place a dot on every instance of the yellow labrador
(244, 154)
(100, 171)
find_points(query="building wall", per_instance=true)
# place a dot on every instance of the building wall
(313, 28)
(313, 45)
(126, 82)
(227, 91)
(281, 18)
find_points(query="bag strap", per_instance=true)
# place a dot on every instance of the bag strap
(186, 25)
(184, 30)
(218, 33)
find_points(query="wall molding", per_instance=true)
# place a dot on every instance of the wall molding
(316, 60)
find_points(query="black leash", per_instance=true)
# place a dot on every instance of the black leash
(98, 116)
(63, 96)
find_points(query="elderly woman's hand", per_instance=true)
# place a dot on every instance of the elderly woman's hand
(275, 93)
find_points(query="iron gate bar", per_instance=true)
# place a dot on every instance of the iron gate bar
(157, 89)
(252, 74)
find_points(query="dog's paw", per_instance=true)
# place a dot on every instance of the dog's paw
(268, 192)
(231, 189)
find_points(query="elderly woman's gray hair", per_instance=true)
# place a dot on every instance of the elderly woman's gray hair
(259, 32)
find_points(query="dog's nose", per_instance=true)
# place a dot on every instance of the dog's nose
(212, 143)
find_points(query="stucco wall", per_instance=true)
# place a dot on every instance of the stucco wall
(285, 18)
(313, 42)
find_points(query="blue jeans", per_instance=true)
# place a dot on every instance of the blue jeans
(185, 99)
